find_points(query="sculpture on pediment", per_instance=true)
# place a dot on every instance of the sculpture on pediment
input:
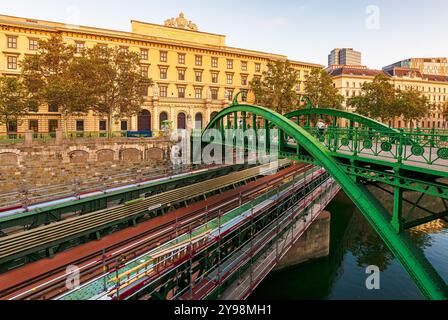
(170, 22)
(181, 23)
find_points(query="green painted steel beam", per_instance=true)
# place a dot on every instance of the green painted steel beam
(412, 259)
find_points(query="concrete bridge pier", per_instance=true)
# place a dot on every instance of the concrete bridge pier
(313, 244)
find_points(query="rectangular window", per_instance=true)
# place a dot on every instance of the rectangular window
(198, 76)
(229, 94)
(124, 49)
(244, 96)
(52, 125)
(53, 107)
(214, 92)
(33, 125)
(214, 62)
(198, 93)
(33, 106)
(33, 44)
(214, 77)
(257, 67)
(144, 54)
(103, 125)
(144, 70)
(181, 75)
(244, 65)
(164, 91)
(12, 62)
(229, 64)
(244, 80)
(181, 92)
(79, 125)
(12, 42)
(144, 90)
(163, 73)
(124, 125)
(181, 58)
(80, 47)
(198, 60)
(163, 56)
(12, 126)
(229, 78)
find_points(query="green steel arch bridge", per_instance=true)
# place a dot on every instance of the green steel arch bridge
(364, 153)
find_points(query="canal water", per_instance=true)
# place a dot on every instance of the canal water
(353, 247)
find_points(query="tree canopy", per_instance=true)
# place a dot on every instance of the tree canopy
(320, 90)
(379, 99)
(107, 81)
(14, 100)
(276, 89)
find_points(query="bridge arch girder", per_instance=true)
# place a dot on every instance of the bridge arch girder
(370, 123)
(412, 259)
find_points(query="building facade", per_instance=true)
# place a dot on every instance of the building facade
(344, 56)
(349, 80)
(430, 66)
(195, 73)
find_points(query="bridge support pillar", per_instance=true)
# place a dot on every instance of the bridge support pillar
(313, 244)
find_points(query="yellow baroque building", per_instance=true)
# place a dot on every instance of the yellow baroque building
(195, 73)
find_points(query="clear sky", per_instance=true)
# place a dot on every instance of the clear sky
(385, 31)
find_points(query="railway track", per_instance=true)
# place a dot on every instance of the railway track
(140, 243)
(17, 245)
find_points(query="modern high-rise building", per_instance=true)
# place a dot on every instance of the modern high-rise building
(344, 56)
(432, 66)
(195, 73)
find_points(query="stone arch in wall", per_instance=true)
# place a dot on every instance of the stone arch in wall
(105, 155)
(199, 121)
(78, 156)
(154, 154)
(131, 155)
(9, 159)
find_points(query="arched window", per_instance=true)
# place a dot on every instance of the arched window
(144, 121)
(198, 121)
(181, 121)
(163, 117)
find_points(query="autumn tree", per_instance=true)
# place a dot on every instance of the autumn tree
(320, 90)
(276, 89)
(14, 100)
(116, 80)
(52, 77)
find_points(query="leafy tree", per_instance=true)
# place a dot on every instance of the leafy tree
(411, 105)
(14, 100)
(115, 79)
(320, 90)
(380, 100)
(51, 76)
(277, 87)
(377, 99)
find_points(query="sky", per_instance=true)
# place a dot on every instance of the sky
(385, 31)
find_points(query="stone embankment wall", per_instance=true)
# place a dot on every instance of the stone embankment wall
(313, 244)
(50, 163)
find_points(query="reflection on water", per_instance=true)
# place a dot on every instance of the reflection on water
(354, 246)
